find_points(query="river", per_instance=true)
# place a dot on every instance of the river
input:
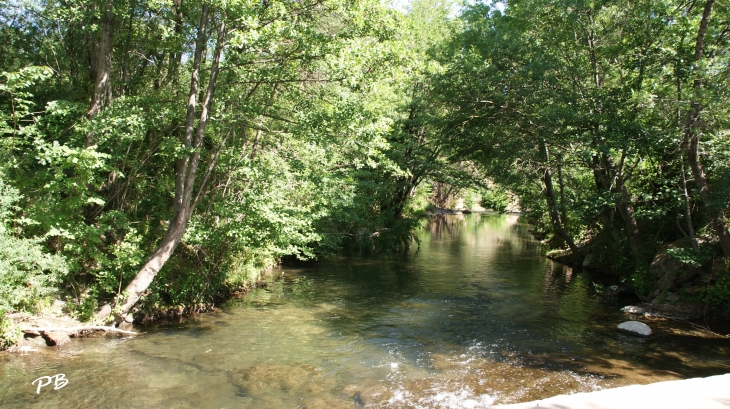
(474, 316)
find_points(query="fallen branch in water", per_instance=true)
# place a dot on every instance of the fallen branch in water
(700, 327)
(38, 330)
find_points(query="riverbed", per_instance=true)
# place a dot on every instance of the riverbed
(471, 317)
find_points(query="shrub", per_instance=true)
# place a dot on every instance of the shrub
(496, 199)
(718, 294)
(27, 272)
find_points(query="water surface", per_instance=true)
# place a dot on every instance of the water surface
(471, 317)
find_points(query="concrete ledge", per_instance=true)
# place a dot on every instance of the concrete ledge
(696, 393)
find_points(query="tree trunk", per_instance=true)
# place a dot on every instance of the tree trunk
(553, 208)
(626, 209)
(624, 205)
(173, 69)
(127, 44)
(441, 194)
(610, 177)
(185, 173)
(692, 141)
(687, 207)
(563, 202)
(102, 62)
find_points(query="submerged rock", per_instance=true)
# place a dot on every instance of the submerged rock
(29, 342)
(635, 328)
(632, 309)
(357, 398)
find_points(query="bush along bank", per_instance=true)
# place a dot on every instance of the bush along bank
(675, 279)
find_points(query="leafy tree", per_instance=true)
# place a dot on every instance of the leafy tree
(583, 94)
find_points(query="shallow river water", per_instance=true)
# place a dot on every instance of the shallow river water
(474, 316)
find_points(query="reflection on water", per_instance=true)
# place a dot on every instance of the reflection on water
(473, 316)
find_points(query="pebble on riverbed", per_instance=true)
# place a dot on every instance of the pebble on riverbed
(635, 328)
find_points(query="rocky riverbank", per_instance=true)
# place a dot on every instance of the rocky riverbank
(54, 326)
(52, 329)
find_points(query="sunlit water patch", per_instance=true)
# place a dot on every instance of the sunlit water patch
(472, 317)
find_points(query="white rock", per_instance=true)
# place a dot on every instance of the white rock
(635, 328)
(632, 309)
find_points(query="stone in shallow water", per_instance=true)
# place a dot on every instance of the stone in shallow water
(632, 309)
(55, 338)
(635, 328)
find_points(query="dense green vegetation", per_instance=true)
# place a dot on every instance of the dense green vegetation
(163, 152)
(608, 119)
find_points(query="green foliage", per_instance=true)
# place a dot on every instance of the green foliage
(9, 332)
(718, 294)
(686, 256)
(496, 199)
(84, 305)
(297, 126)
(642, 282)
(419, 202)
(27, 272)
(589, 130)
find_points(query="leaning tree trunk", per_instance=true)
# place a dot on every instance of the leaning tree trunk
(692, 142)
(185, 173)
